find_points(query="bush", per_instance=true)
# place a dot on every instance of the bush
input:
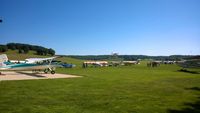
(3, 48)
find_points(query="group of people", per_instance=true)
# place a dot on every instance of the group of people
(153, 64)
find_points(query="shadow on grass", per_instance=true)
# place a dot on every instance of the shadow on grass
(191, 107)
(187, 71)
(193, 88)
(31, 74)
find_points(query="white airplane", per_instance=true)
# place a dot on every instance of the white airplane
(31, 64)
(96, 63)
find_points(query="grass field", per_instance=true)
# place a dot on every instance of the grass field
(131, 89)
(134, 89)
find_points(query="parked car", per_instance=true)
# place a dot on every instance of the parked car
(65, 65)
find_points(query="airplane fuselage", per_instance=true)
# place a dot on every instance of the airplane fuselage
(25, 67)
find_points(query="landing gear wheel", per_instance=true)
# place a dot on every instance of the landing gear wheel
(46, 71)
(53, 72)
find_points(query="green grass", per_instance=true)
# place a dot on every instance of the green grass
(134, 89)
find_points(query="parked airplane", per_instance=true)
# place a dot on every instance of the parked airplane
(126, 63)
(31, 64)
(95, 63)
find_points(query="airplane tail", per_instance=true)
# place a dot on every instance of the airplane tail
(3, 58)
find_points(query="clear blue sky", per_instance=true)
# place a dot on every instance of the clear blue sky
(81, 27)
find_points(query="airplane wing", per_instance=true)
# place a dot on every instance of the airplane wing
(33, 60)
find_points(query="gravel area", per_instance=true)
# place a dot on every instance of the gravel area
(29, 76)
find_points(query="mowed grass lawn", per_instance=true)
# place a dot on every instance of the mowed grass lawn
(131, 89)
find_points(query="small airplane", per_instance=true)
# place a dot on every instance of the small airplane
(95, 63)
(30, 64)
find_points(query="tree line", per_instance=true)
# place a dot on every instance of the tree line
(132, 57)
(25, 48)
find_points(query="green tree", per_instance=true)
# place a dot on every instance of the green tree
(20, 51)
(3, 48)
(25, 48)
(51, 52)
(11, 46)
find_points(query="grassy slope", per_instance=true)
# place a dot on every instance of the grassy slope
(14, 55)
(135, 89)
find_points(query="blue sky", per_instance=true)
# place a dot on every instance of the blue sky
(82, 27)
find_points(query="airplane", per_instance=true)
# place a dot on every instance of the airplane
(131, 62)
(95, 63)
(30, 64)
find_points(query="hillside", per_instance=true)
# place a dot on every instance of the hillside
(14, 55)
(25, 48)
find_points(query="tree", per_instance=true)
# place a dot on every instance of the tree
(3, 48)
(51, 52)
(25, 48)
(45, 52)
(11, 46)
(20, 51)
(39, 52)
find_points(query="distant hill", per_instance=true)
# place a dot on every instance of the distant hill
(25, 48)
(132, 57)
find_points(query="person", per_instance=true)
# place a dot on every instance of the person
(84, 66)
